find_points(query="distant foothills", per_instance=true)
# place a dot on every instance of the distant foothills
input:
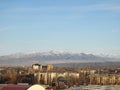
(53, 58)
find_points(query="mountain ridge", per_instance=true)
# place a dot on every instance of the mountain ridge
(53, 58)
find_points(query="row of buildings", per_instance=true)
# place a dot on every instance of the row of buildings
(89, 76)
(46, 74)
(105, 79)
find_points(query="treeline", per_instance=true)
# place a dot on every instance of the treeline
(14, 79)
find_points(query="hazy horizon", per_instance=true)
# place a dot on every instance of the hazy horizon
(59, 52)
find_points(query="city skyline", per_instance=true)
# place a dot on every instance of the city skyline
(89, 26)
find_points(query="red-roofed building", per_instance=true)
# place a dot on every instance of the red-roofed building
(14, 87)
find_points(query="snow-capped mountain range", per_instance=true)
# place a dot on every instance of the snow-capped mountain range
(53, 58)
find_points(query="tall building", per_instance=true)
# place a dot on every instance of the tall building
(42, 67)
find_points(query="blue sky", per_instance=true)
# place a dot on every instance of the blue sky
(89, 26)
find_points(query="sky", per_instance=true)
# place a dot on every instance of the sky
(89, 26)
